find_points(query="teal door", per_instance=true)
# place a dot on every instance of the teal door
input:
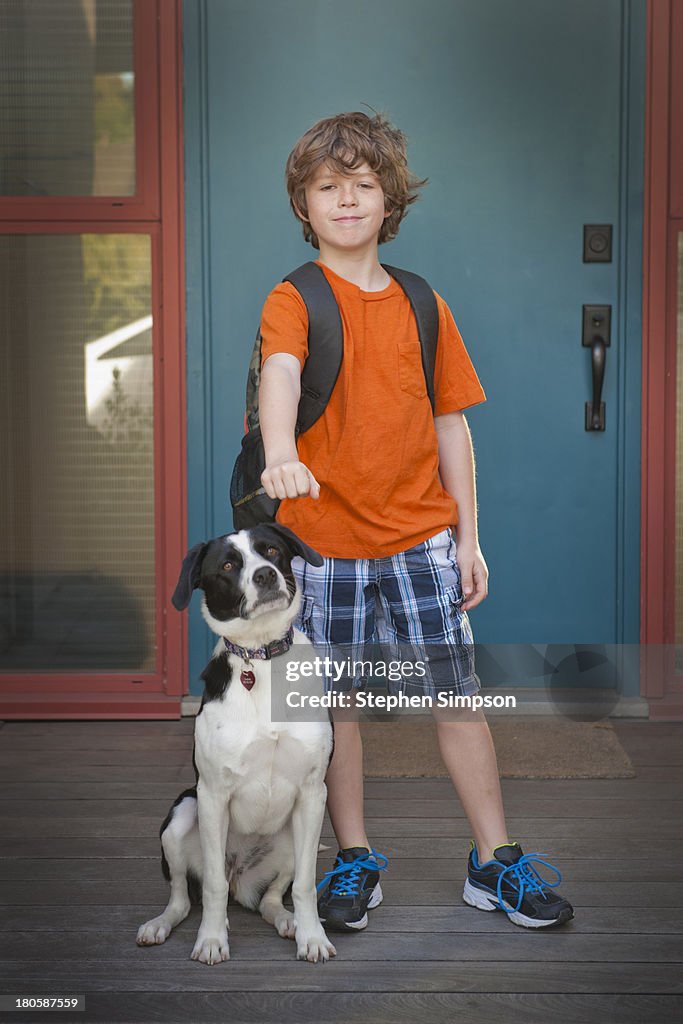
(528, 120)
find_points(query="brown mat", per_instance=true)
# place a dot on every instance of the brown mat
(542, 747)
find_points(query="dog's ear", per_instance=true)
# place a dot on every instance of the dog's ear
(190, 574)
(297, 546)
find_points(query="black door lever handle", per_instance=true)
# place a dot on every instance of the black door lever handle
(596, 336)
(597, 410)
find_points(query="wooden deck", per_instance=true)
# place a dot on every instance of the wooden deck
(81, 807)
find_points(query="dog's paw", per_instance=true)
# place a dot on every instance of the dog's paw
(285, 925)
(314, 947)
(154, 932)
(211, 950)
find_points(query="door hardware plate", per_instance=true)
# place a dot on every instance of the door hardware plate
(597, 243)
(596, 320)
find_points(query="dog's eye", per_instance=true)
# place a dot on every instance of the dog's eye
(228, 566)
(271, 551)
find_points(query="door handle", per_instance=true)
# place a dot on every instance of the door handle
(596, 336)
(595, 410)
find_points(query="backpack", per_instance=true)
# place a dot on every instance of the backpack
(250, 503)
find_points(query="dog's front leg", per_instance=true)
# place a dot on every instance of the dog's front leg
(212, 946)
(307, 819)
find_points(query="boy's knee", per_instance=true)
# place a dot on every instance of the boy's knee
(346, 712)
(453, 716)
(346, 719)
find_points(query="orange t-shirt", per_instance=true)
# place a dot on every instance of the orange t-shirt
(374, 450)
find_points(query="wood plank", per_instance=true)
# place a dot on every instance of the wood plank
(22, 771)
(527, 831)
(667, 758)
(91, 847)
(86, 828)
(377, 1008)
(83, 848)
(140, 869)
(182, 757)
(424, 892)
(559, 851)
(96, 728)
(626, 728)
(103, 791)
(80, 834)
(152, 756)
(101, 776)
(658, 743)
(656, 773)
(629, 728)
(338, 975)
(545, 830)
(85, 741)
(531, 789)
(516, 805)
(419, 807)
(458, 918)
(558, 946)
(446, 814)
(645, 742)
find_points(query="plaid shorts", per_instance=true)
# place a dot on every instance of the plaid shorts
(402, 611)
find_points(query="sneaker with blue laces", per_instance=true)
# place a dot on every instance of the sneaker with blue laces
(351, 888)
(509, 882)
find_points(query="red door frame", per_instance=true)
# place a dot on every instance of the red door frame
(663, 219)
(156, 210)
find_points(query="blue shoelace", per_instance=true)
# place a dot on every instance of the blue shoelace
(525, 877)
(347, 875)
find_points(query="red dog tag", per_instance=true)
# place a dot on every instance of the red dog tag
(247, 678)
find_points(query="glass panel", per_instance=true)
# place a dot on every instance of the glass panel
(76, 453)
(67, 112)
(679, 460)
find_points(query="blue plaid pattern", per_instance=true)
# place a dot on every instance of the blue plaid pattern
(405, 607)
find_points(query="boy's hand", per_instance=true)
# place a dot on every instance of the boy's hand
(474, 573)
(289, 479)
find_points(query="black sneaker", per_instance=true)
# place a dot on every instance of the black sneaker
(510, 883)
(351, 888)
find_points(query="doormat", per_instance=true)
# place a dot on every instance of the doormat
(541, 747)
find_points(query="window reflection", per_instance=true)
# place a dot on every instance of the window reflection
(67, 98)
(76, 454)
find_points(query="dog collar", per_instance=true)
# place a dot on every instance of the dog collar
(266, 652)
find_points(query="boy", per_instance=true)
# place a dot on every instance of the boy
(375, 486)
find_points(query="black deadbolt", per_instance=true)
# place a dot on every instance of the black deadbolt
(597, 243)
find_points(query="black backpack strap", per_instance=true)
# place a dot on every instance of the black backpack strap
(426, 311)
(325, 354)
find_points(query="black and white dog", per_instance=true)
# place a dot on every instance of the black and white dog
(260, 794)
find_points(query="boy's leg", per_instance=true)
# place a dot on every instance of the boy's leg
(338, 618)
(344, 782)
(352, 887)
(467, 750)
(422, 594)
(337, 612)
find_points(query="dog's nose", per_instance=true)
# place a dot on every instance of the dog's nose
(265, 577)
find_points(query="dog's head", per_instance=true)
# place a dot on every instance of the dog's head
(249, 589)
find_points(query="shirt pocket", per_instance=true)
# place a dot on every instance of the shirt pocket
(411, 375)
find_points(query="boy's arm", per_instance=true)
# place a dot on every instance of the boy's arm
(279, 392)
(456, 469)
